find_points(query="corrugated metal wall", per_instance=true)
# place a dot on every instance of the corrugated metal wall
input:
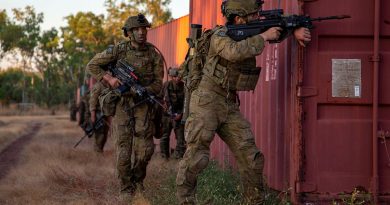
(313, 143)
(170, 38)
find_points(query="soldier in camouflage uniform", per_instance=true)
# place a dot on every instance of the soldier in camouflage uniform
(133, 127)
(230, 67)
(84, 109)
(95, 110)
(173, 92)
(73, 110)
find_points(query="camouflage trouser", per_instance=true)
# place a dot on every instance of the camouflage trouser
(210, 113)
(133, 150)
(101, 138)
(168, 125)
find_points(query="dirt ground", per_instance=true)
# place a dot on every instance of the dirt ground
(38, 165)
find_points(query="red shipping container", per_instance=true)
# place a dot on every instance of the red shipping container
(321, 114)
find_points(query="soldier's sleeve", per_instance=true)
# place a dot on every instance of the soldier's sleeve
(164, 91)
(235, 51)
(82, 112)
(183, 69)
(101, 60)
(158, 70)
(94, 99)
(87, 113)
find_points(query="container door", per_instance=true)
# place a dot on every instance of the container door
(337, 122)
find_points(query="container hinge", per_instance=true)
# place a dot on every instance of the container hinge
(307, 91)
(384, 135)
(377, 58)
(305, 187)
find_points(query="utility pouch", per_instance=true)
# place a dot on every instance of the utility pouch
(248, 78)
(108, 100)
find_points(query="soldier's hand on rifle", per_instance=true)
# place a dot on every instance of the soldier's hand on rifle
(93, 117)
(302, 35)
(271, 34)
(112, 81)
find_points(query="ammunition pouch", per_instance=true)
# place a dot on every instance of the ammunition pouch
(108, 100)
(234, 77)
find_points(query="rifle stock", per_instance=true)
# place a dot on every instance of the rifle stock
(90, 129)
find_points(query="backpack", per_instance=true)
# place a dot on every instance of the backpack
(196, 58)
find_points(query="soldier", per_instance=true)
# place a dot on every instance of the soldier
(96, 112)
(73, 111)
(84, 109)
(173, 92)
(214, 104)
(133, 127)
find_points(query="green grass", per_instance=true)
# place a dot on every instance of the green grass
(216, 186)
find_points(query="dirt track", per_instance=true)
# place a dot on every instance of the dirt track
(9, 156)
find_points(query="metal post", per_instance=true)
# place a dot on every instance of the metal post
(375, 92)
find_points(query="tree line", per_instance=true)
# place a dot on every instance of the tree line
(50, 65)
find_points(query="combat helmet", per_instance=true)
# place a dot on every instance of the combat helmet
(136, 21)
(240, 7)
(173, 72)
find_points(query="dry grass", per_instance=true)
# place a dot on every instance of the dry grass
(50, 171)
(12, 127)
(31, 109)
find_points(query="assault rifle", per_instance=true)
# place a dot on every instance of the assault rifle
(90, 128)
(274, 18)
(125, 73)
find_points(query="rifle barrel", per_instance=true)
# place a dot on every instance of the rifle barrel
(330, 17)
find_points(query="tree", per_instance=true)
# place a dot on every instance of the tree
(29, 22)
(12, 84)
(83, 37)
(157, 10)
(118, 13)
(10, 33)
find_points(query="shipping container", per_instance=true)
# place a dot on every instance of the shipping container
(170, 39)
(321, 114)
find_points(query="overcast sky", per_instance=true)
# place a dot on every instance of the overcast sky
(55, 10)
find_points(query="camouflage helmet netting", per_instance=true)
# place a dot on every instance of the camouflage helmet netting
(240, 7)
(136, 21)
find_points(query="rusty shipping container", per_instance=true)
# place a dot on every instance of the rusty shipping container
(321, 114)
(170, 39)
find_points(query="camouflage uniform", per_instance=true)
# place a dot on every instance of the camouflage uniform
(73, 111)
(84, 110)
(174, 97)
(214, 109)
(94, 106)
(133, 128)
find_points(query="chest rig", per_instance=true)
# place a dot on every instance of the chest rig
(235, 76)
(141, 60)
(238, 76)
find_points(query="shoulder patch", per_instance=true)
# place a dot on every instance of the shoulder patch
(221, 33)
(110, 49)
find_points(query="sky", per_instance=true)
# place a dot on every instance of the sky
(55, 10)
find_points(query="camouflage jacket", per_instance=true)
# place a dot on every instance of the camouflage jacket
(227, 57)
(146, 60)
